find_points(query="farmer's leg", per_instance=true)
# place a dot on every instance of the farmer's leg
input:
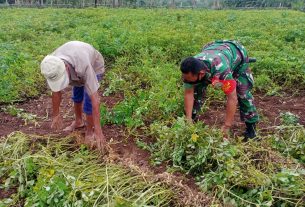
(88, 111)
(199, 98)
(248, 112)
(77, 97)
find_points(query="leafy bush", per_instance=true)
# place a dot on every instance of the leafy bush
(289, 118)
(290, 140)
(240, 174)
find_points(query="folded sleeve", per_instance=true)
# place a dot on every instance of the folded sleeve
(187, 85)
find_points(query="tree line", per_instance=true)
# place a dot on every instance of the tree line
(214, 4)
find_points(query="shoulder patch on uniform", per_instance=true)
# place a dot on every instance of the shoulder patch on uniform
(227, 86)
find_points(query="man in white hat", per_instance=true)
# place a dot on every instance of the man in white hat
(82, 66)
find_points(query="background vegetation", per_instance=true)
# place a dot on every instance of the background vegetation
(150, 41)
(214, 4)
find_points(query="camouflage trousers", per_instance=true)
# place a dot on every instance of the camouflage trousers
(248, 112)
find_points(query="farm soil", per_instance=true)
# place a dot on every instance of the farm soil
(123, 147)
(269, 109)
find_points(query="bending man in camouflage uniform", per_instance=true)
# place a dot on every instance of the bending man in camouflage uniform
(223, 64)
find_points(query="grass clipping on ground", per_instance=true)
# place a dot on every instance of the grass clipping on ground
(46, 171)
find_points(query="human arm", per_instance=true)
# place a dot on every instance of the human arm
(98, 133)
(56, 118)
(188, 102)
(231, 106)
(223, 78)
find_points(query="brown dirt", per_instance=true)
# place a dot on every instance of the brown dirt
(42, 107)
(124, 148)
(269, 109)
(7, 193)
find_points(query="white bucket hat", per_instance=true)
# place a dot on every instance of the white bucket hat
(54, 70)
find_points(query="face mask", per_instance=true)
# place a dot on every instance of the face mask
(193, 82)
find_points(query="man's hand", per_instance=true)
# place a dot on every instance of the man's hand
(96, 139)
(100, 141)
(57, 123)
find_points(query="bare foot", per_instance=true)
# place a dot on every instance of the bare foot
(74, 126)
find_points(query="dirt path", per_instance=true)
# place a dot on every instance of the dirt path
(269, 108)
(124, 148)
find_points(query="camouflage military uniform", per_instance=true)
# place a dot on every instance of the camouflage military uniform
(226, 60)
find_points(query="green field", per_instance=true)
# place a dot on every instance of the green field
(143, 49)
(148, 39)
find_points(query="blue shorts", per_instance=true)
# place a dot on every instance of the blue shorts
(80, 95)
